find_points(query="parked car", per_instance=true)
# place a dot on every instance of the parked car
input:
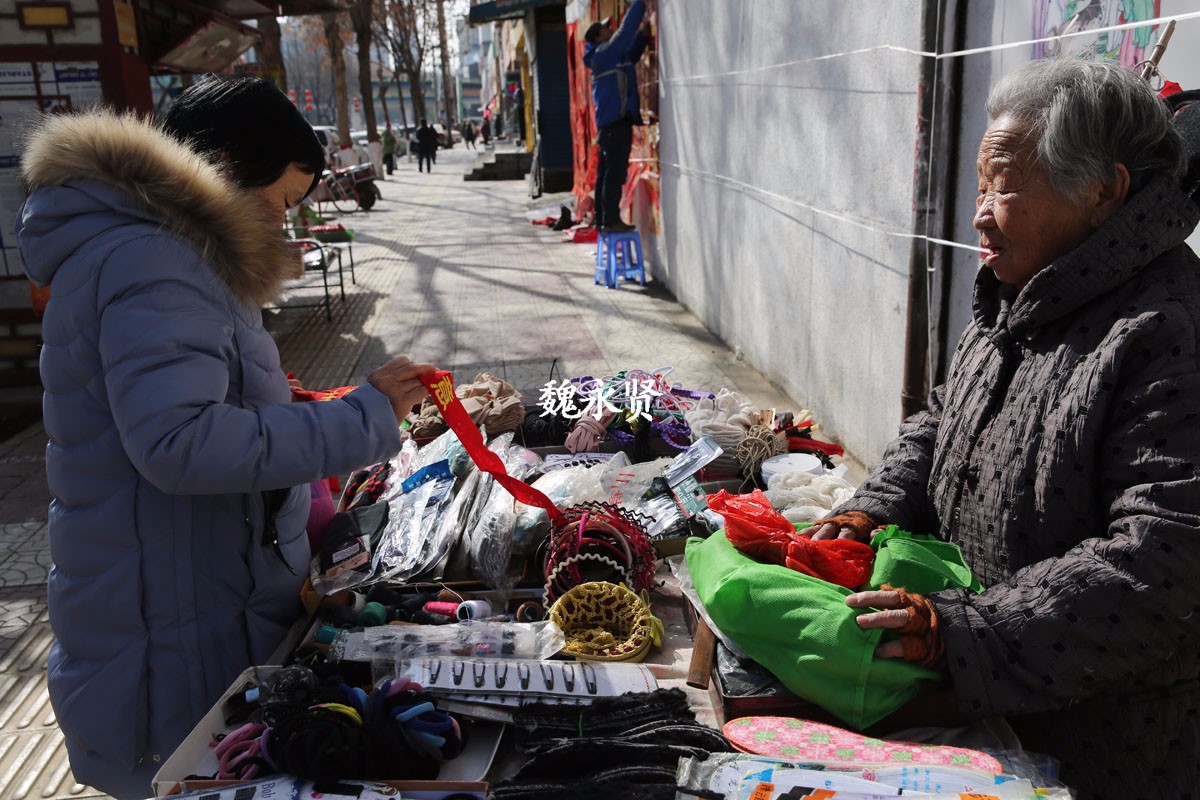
(328, 136)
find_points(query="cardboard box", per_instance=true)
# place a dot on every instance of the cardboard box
(195, 755)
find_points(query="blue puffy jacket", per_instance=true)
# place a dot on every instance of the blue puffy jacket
(614, 80)
(169, 418)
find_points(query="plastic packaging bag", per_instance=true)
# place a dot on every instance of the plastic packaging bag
(489, 535)
(345, 559)
(565, 487)
(389, 644)
(408, 545)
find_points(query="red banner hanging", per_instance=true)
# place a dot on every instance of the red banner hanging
(441, 388)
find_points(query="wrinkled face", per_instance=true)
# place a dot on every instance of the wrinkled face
(284, 193)
(1023, 223)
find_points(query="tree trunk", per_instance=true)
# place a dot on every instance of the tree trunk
(418, 96)
(400, 99)
(270, 50)
(360, 17)
(447, 81)
(383, 88)
(337, 63)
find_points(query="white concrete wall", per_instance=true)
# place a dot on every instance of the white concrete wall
(996, 22)
(817, 304)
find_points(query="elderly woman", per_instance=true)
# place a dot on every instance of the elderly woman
(1061, 454)
(177, 466)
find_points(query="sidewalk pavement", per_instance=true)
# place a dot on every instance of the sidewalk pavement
(446, 271)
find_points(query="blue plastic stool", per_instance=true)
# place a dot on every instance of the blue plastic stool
(615, 258)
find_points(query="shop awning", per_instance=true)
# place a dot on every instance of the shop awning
(506, 9)
(248, 9)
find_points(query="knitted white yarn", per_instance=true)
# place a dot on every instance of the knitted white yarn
(804, 497)
(726, 418)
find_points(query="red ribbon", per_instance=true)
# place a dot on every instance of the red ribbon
(441, 388)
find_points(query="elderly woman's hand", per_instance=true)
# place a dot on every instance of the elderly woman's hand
(909, 615)
(851, 525)
(400, 380)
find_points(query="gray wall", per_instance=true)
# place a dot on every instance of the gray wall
(819, 304)
(816, 304)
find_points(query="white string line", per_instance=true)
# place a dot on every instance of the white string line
(939, 56)
(821, 211)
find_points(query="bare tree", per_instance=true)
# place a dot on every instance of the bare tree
(361, 18)
(447, 80)
(270, 49)
(306, 54)
(337, 64)
(385, 83)
(403, 27)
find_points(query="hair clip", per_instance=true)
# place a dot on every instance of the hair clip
(568, 675)
(589, 677)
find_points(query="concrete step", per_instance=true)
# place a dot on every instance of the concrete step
(500, 165)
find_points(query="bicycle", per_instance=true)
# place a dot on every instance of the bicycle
(337, 186)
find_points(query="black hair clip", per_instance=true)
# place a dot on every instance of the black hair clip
(548, 676)
(568, 673)
(479, 672)
(435, 669)
(589, 678)
(523, 675)
(501, 672)
(457, 670)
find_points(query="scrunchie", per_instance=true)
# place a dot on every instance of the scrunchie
(921, 636)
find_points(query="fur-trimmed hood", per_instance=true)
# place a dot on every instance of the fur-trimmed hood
(157, 179)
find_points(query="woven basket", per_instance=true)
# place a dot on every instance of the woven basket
(606, 622)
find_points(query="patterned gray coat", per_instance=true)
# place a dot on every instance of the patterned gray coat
(1061, 455)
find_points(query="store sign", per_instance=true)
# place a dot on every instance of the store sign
(126, 24)
(45, 16)
(506, 9)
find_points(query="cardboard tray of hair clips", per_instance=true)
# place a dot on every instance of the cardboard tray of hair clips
(460, 778)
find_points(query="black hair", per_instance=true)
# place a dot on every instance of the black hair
(250, 127)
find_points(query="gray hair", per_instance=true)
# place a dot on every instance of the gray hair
(1087, 117)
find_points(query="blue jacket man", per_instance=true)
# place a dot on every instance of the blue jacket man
(611, 57)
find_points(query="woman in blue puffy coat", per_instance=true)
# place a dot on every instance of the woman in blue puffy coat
(178, 467)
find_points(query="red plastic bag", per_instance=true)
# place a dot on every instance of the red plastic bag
(759, 531)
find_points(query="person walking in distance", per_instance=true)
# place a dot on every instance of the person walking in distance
(427, 142)
(611, 57)
(388, 140)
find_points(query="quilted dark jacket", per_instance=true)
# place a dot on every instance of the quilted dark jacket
(1061, 455)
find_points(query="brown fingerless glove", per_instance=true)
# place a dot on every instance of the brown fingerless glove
(921, 636)
(860, 522)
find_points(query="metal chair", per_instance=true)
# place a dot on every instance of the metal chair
(318, 257)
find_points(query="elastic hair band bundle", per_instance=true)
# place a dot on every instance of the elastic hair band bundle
(393, 732)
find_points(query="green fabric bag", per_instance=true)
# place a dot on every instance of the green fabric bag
(800, 628)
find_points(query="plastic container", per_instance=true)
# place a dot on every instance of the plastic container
(791, 462)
